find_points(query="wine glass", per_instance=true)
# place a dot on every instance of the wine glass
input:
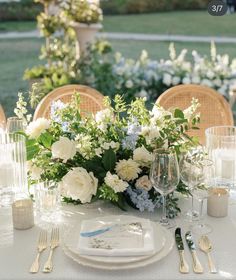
(164, 175)
(15, 124)
(201, 192)
(191, 175)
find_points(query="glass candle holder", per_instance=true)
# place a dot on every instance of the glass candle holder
(13, 173)
(217, 202)
(221, 146)
(47, 200)
(23, 214)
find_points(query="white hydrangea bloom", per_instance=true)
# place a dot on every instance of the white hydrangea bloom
(167, 79)
(113, 181)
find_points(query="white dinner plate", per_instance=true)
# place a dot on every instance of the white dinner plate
(121, 263)
(72, 237)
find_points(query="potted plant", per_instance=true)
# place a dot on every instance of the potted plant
(86, 16)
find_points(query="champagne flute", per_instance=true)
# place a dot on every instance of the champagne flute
(164, 175)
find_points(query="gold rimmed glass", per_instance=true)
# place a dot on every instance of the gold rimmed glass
(164, 175)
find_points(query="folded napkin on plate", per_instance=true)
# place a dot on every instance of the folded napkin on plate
(116, 237)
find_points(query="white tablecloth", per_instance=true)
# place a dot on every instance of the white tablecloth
(18, 249)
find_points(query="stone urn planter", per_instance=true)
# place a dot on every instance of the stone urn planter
(85, 34)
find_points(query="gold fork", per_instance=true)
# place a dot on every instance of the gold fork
(48, 267)
(42, 245)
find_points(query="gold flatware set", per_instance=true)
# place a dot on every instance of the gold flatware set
(205, 246)
(41, 246)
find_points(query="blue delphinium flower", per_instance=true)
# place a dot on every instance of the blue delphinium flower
(141, 199)
(133, 130)
(129, 142)
(55, 108)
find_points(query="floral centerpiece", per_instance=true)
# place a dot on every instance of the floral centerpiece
(107, 156)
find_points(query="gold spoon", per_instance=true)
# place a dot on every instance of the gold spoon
(206, 246)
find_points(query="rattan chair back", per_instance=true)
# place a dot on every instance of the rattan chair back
(214, 109)
(91, 101)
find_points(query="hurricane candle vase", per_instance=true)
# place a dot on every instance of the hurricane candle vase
(221, 146)
(13, 173)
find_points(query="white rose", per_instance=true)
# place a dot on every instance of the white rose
(79, 184)
(64, 149)
(143, 183)
(127, 169)
(115, 182)
(36, 128)
(143, 156)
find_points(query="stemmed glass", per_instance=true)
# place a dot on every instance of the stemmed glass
(191, 175)
(201, 192)
(164, 175)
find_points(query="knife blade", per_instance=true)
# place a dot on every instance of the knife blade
(183, 266)
(197, 267)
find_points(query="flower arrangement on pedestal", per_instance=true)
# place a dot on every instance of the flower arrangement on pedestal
(107, 156)
(86, 16)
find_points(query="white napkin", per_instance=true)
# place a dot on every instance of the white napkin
(116, 236)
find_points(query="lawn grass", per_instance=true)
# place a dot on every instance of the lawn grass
(158, 50)
(179, 22)
(15, 56)
(18, 54)
(17, 26)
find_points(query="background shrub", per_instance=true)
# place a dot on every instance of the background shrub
(150, 6)
(24, 10)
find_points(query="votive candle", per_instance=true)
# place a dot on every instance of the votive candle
(217, 202)
(23, 214)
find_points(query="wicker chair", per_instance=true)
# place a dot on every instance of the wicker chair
(214, 109)
(91, 100)
(2, 117)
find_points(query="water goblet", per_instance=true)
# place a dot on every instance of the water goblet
(164, 175)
